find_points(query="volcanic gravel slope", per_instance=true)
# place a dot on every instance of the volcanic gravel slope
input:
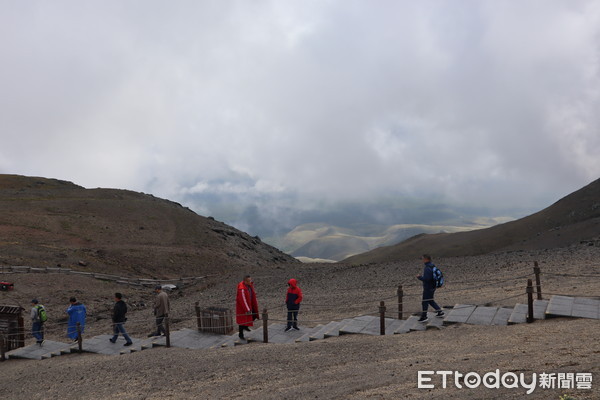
(569, 221)
(47, 222)
(353, 367)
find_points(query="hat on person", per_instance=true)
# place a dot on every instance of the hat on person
(34, 301)
(157, 287)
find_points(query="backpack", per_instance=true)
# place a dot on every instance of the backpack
(42, 314)
(438, 277)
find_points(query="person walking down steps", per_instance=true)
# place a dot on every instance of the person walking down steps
(429, 286)
(161, 310)
(119, 319)
(293, 298)
(38, 317)
(77, 313)
(246, 305)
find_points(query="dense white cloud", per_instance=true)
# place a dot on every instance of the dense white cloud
(481, 102)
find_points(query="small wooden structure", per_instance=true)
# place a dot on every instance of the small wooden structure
(214, 320)
(12, 328)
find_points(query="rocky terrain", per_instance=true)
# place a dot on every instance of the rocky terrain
(345, 367)
(48, 222)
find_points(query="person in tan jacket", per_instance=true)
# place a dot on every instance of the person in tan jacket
(161, 310)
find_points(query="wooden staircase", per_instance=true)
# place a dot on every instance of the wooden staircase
(557, 306)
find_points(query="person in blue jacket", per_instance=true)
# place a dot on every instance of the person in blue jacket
(428, 289)
(77, 313)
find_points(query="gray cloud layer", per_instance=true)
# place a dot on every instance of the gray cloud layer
(269, 102)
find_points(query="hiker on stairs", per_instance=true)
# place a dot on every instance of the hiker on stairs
(119, 318)
(77, 313)
(428, 289)
(246, 305)
(161, 311)
(38, 317)
(293, 299)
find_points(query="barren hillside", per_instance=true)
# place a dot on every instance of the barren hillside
(47, 222)
(570, 220)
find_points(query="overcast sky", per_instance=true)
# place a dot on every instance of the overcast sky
(480, 102)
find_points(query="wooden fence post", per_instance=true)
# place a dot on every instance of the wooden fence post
(400, 296)
(538, 284)
(529, 301)
(79, 339)
(2, 348)
(21, 337)
(265, 317)
(198, 318)
(167, 331)
(382, 318)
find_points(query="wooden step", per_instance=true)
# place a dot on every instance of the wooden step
(502, 316)
(586, 308)
(306, 336)
(539, 308)
(580, 307)
(560, 306)
(334, 330)
(374, 327)
(434, 322)
(519, 314)
(411, 324)
(307, 332)
(482, 316)
(356, 325)
(459, 314)
(320, 333)
(391, 328)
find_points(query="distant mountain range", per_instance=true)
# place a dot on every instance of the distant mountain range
(322, 242)
(573, 219)
(48, 222)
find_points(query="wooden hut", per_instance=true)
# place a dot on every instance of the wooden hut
(12, 328)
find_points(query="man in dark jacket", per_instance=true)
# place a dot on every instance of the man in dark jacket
(119, 319)
(293, 299)
(428, 289)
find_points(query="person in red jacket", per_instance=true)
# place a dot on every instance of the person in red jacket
(293, 298)
(246, 305)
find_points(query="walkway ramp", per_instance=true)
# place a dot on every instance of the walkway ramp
(277, 334)
(557, 306)
(460, 314)
(368, 325)
(580, 307)
(192, 339)
(49, 349)
(102, 345)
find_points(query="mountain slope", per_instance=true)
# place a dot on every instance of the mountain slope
(49, 222)
(323, 241)
(570, 220)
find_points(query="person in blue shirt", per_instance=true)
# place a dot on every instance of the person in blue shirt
(428, 289)
(77, 313)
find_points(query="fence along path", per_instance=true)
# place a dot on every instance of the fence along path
(380, 322)
(96, 275)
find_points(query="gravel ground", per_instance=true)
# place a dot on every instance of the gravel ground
(345, 367)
